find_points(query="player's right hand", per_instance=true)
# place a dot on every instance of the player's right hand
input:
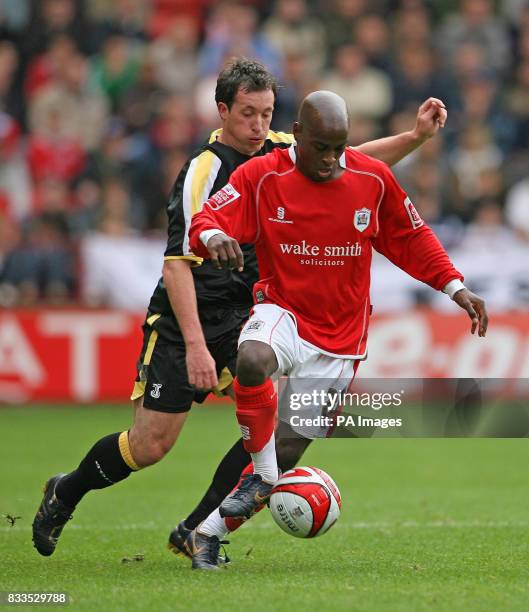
(225, 252)
(201, 369)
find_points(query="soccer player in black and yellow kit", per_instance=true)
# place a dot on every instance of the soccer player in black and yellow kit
(196, 313)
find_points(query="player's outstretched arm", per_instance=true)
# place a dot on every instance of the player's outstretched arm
(431, 116)
(476, 309)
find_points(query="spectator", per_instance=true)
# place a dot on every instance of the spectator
(126, 18)
(41, 266)
(15, 189)
(115, 69)
(86, 208)
(411, 25)
(518, 105)
(53, 18)
(475, 156)
(53, 151)
(174, 55)
(414, 77)
(290, 29)
(174, 127)
(481, 104)
(475, 23)
(49, 65)
(83, 112)
(367, 91)
(371, 34)
(11, 100)
(299, 79)
(232, 31)
(118, 218)
(339, 18)
(517, 208)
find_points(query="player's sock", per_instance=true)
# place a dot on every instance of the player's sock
(265, 461)
(256, 411)
(214, 525)
(224, 480)
(109, 461)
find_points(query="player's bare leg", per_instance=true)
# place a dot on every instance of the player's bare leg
(111, 460)
(153, 434)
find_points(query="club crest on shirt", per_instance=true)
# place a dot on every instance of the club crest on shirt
(362, 219)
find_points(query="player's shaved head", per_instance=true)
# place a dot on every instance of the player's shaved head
(321, 135)
(324, 110)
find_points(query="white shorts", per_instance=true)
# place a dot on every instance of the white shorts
(308, 370)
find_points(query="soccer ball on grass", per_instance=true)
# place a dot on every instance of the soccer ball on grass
(305, 502)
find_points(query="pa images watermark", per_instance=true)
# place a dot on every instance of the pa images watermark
(404, 408)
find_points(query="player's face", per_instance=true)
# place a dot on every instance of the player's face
(246, 124)
(319, 151)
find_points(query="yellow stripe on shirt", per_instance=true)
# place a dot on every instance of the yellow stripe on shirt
(195, 261)
(200, 176)
(280, 137)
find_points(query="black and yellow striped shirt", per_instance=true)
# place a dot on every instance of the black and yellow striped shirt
(207, 171)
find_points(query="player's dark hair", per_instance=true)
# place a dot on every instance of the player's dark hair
(246, 74)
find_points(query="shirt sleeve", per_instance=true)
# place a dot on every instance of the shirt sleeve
(192, 187)
(232, 210)
(408, 242)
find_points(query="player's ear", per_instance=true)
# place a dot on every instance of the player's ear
(296, 129)
(223, 109)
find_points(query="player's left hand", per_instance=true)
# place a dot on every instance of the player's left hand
(430, 117)
(475, 307)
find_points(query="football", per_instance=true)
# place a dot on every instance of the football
(305, 502)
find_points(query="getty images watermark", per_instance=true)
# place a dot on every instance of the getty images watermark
(414, 407)
(327, 408)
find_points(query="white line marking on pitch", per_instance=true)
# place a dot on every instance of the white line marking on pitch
(342, 525)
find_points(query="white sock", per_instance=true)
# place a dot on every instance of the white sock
(214, 525)
(265, 461)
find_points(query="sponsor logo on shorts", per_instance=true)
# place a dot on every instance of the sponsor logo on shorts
(253, 326)
(361, 219)
(155, 391)
(245, 431)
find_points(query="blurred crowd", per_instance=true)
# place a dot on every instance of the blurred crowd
(101, 102)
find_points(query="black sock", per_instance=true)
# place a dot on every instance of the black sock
(225, 478)
(289, 451)
(102, 467)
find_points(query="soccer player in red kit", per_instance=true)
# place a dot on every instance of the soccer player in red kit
(314, 212)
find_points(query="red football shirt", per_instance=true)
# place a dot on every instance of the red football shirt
(314, 241)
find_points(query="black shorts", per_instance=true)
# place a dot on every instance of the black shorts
(161, 369)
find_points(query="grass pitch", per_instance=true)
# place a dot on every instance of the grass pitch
(426, 524)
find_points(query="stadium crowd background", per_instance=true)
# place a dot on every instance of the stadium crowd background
(102, 101)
